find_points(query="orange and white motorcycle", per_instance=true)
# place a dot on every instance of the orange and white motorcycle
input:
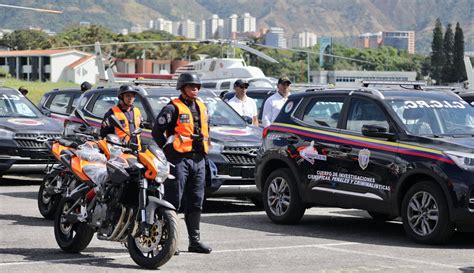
(120, 199)
(58, 180)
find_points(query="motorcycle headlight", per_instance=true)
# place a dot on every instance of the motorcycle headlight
(216, 148)
(464, 160)
(6, 134)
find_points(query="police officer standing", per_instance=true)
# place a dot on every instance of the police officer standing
(128, 115)
(181, 130)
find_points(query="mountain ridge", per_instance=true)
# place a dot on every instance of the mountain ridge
(341, 19)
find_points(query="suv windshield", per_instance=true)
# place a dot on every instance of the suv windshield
(220, 113)
(435, 117)
(16, 106)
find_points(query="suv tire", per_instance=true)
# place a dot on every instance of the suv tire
(281, 199)
(425, 214)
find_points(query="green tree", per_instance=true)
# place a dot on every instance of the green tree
(24, 39)
(448, 48)
(459, 71)
(437, 55)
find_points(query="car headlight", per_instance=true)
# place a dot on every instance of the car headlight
(6, 134)
(216, 148)
(464, 160)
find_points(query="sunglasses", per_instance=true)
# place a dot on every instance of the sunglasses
(244, 86)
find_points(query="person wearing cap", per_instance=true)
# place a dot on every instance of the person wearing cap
(242, 104)
(128, 115)
(182, 131)
(274, 103)
(23, 90)
(85, 86)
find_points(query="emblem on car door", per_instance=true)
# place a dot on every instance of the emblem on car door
(364, 158)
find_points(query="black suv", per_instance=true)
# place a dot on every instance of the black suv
(23, 132)
(234, 143)
(391, 152)
(59, 103)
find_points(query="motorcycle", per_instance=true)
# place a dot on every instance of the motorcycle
(120, 199)
(58, 180)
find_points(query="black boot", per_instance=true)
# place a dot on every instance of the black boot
(192, 223)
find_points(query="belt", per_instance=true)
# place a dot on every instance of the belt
(194, 156)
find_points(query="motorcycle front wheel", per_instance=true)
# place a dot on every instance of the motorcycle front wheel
(71, 237)
(48, 201)
(156, 249)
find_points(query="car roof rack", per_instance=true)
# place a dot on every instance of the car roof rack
(417, 85)
(155, 82)
(368, 90)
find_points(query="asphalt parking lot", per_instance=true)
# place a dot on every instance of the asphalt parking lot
(242, 237)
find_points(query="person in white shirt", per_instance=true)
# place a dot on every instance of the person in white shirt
(242, 104)
(274, 103)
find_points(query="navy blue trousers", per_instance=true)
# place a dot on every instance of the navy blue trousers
(186, 190)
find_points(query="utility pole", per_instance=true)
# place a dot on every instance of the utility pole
(308, 59)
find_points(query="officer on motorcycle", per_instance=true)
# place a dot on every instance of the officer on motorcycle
(181, 130)
(128, 115)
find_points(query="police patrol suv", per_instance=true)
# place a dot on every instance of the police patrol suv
(407, 153)
(23, 132)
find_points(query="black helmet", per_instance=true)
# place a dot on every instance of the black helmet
(187, 78)
(126, 89)
(85, 86)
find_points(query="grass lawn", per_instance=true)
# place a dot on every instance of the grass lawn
(36, 89)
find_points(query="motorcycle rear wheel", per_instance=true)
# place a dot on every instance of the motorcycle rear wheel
(72, 238)
(156, 249)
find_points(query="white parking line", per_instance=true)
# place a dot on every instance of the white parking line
(331, 246)
(389, 257)
(125, 256)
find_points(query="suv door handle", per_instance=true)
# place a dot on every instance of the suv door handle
(344, 148)
(292, 140)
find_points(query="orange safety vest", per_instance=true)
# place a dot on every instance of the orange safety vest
(137, 117)
(183, 142)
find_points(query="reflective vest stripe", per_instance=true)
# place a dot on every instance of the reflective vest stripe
(123, 119)
(182, 139)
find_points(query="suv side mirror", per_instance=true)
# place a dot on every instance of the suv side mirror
(46, 112)
(147, 125)
(247, 119)
(376, 131)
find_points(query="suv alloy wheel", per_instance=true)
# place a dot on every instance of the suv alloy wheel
(281, 199)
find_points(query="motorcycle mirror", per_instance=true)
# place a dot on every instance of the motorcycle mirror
(78, 114)
(115, 122)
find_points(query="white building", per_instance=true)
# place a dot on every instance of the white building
(50, 65)
(163, 25)
(231, 26)
(188, 29)
(214, 27)
(354, 77)
(247, 23)
(201, 30)
(275, 37)
(304, 39)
